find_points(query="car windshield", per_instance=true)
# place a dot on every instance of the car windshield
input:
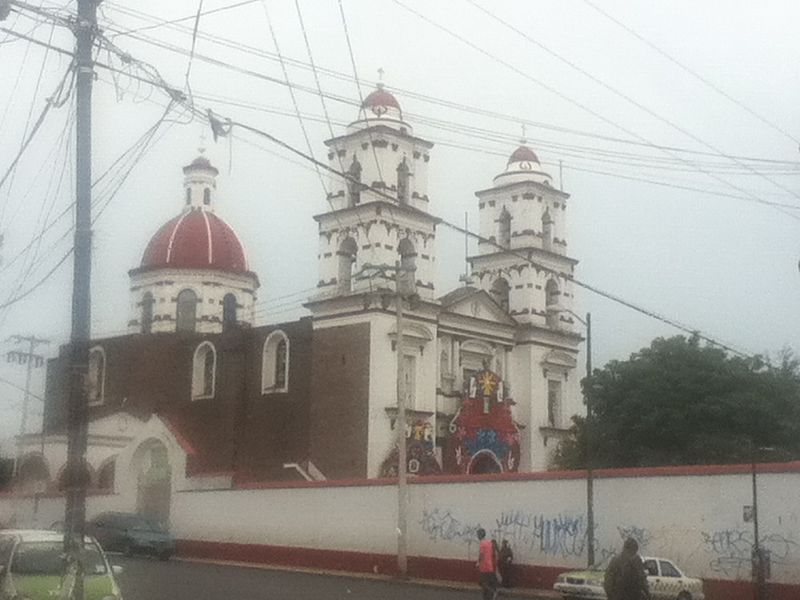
(145, 524)
(47, 558)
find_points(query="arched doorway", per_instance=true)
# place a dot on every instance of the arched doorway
(33, 474)
(153, 480)
(484, 462)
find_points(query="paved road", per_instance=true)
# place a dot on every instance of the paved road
(147, 579)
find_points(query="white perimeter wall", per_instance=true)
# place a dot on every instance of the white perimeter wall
(695, 520)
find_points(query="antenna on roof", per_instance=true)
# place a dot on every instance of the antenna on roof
(523, 140)
(380, 77)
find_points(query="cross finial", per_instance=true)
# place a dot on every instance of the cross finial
(523, 140)
(202, 147)
(380, 77)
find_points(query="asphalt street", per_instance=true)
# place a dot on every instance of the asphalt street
(147, 579)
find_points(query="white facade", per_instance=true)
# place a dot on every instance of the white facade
(520, 325)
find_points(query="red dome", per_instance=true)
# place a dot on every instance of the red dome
(380, 98)
(196, 239)
(523, 153)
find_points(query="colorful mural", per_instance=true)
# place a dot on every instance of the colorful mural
(420, 459)
(483, 435)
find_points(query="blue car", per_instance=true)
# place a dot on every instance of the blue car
(131, 534)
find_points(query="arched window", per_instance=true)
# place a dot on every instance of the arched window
(106, 474)
(504, 229)
(187, 311)
(500, 292)
(348, 250)
(229, 307)
(354, 182)
(407, 277)
(188, 195)
(147, 312)
(547, 230)
(204, 369)
(207, 196)
(551, 294)
(275, 363)
(402, 182)
(96, 375)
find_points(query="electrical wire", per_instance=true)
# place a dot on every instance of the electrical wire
(572, 101)
(705, 81)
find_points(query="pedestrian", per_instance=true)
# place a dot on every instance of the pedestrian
(487, 565)
(625, 578)
(506, 561)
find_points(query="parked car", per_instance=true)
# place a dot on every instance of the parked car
(132, 534)
(666, 581)
(32, 567)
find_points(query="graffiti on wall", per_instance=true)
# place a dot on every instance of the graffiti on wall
(731, 550)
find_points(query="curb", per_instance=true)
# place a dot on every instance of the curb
(412, 581)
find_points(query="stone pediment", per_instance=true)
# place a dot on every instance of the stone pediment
(477, 304)
(558, 358)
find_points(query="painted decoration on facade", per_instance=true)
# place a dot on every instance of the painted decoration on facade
(483, 435)
(420, 459)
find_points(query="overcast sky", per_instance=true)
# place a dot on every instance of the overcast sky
(706, 232)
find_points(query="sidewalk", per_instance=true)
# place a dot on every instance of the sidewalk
(413, 581)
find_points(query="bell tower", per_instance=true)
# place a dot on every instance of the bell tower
(379, 213)
(525, 216)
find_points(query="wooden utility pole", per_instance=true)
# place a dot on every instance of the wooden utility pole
(77, 421)
(31, 360)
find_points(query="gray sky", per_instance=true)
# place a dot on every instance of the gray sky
(727, 266)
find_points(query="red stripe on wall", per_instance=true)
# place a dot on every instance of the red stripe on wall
(673, 471)
(526, 576)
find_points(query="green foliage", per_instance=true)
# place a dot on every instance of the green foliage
(681, 402)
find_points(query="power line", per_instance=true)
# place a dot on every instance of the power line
(411, 94)
(210, 11)
(627, 98)
(693, 73)
(563, 96)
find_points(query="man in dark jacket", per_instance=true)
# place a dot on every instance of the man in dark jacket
(625, 578)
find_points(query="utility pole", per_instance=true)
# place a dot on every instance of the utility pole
(402, 475)
(589, 471)
(31, 360)
(75, 513)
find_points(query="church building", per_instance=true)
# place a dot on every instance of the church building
(198, 390)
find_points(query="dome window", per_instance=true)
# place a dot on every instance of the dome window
(229, 307)
(207, 197)
(186, 314)
(147, 312)
(188, 196)
(204, 367)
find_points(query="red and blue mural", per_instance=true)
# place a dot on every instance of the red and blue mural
(420, 458)
(483, 435)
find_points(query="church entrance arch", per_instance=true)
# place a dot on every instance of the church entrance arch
(484, 462)
(153, 474)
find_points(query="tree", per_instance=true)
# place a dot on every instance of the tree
(682, 402)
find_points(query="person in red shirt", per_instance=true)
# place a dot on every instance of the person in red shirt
(487, 565)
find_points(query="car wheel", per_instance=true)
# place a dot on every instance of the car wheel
(127, 549)
(166, 556)
(684, 596)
